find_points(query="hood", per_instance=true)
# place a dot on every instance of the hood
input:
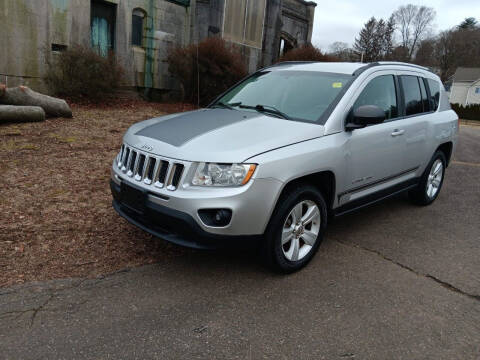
(218, 135)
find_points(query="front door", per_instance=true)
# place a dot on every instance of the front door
(374, 153)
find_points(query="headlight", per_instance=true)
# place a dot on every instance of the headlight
(211, 174)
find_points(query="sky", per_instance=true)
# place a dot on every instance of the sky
(342, 20)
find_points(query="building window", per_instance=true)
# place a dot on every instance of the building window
(103, 26)
(243, 21)
(138, 19)
(477, 90)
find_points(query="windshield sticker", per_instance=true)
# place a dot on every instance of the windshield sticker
(337, 85)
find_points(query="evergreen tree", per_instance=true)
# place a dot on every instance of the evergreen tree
(365, 43)
(388, 38)
(468, 24)
(375, 40)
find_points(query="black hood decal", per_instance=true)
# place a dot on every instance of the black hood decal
(183, 128)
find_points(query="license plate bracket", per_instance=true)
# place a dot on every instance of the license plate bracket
(133, 198)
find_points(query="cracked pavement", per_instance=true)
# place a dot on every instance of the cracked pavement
(391, 281)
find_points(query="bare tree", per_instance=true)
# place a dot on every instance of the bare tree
(454, 48)
(342, 51)
(425, 53)
(414, 23)
(444, 53)
(338, 47)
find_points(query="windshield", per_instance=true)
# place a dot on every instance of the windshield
(300, 95)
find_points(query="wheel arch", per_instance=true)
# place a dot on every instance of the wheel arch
(446, 148)
(324, 181)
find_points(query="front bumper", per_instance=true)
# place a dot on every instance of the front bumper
(174, 226)
(173, 216)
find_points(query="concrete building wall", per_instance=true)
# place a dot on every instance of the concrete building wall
(292, 18)
(297, 18)
(31, 27)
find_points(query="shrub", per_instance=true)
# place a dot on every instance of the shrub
(469, 112)
(306, 53)
(218, 68)
(81, 72)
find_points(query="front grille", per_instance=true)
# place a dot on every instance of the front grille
(152, 170)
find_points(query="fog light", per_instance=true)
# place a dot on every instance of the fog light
(215, 217)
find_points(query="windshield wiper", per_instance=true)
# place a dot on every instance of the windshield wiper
(266, 109)
(226, 106)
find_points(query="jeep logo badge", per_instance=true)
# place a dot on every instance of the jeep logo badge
(147, 147)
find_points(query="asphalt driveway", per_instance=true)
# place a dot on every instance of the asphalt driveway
(393, 281)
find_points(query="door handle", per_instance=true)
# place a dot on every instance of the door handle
(397, 132)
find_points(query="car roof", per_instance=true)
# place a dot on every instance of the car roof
(351, 68)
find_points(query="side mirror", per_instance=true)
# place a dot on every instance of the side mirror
(365, 115)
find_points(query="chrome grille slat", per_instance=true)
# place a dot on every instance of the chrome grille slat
(126, 160)
(147, 173)
(140, 167)
(132, 162)
(120, 157)
(174, 176)
(151, 169)
(162, 173)
(150, 179)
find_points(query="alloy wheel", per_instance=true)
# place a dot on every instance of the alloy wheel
(434, 178)
(300, 230)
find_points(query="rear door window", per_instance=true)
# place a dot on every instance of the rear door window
(425, 100)
(412, 95)
(434, 93)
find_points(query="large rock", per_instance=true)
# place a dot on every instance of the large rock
(10, 113)
(24, 96)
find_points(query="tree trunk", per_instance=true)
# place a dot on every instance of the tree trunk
(10, 113)
(24, 96)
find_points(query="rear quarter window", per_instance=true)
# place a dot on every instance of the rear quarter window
(434, 94)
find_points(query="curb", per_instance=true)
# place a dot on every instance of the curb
(470, 122)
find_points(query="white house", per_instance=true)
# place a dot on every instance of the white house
(466, 86)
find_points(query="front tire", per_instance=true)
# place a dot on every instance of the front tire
(296, 229)
(431, 182)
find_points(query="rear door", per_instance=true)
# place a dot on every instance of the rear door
(374, 154)
(414, 123)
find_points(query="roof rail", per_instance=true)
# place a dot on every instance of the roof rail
(404, 64)
(293, 63)
(386, 63)
(359, 70)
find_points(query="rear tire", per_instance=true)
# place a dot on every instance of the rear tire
(296, 229)
(431, 181)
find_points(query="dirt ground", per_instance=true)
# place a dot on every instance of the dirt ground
(56, 217)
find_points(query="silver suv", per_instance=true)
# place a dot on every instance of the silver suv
(291, 146)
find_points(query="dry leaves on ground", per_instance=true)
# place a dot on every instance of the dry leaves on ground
(55, 203)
